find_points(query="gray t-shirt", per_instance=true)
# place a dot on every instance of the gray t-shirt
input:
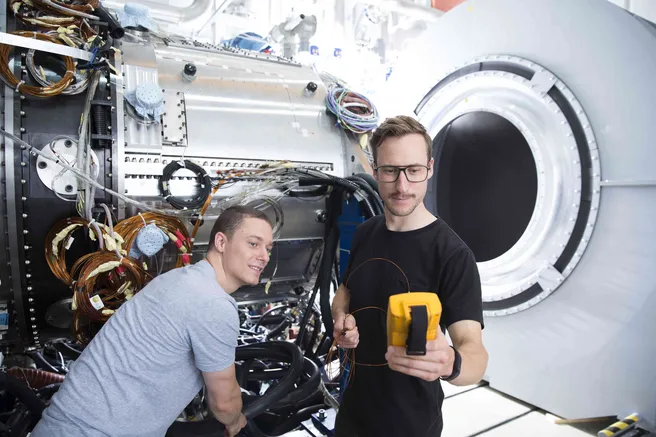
(144, 366)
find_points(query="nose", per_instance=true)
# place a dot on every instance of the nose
(264, 255)
(402, 183)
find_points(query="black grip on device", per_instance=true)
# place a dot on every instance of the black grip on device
(416, 342)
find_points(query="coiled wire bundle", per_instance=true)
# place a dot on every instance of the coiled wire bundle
(354, 111)
(103, 281)
(58, 242)
(129, 228)
(202, 177)
(35, 91)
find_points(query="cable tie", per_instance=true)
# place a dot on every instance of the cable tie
(19, 84)
(144, 220)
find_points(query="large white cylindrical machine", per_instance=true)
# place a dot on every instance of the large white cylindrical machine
(543, 123)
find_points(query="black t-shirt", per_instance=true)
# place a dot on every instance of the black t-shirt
(378, 400)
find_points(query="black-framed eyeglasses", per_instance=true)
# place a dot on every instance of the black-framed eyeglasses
(413, 173)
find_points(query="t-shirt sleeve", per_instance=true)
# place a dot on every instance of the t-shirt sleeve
(460, 289)
(213, 331)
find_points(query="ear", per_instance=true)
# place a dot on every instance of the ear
(220, 240)
(430, 168)
(374, 172)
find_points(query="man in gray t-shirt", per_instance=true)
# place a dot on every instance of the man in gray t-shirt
(158, 350)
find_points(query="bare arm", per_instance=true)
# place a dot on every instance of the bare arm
(467, 338)
(224, 395)
(341, 302)
(340, 309)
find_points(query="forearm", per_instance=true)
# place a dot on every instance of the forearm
(228, 411)
(473, 366)
(341, 302)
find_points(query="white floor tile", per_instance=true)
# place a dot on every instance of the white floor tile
(534, 424)
(477, 410)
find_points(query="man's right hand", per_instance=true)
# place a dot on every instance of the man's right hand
(233, 430)
(345, 331)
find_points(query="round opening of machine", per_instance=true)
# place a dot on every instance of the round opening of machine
(485, 182)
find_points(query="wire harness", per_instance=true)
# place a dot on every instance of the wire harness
(354, 111)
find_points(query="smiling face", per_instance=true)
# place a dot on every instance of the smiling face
(402, 197)
(246, 252)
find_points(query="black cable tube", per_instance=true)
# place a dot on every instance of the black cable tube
(115, 29)
(24, 394)
(202, 178)
(278, 350)
(41, 362)
(373, 195)
(287, 322)
(266, 313)
(295, 420)
(330, 180)
(306, 316)
(334, 208)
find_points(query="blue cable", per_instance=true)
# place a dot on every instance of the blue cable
(348, 119)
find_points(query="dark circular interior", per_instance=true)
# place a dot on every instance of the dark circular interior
(485, 182)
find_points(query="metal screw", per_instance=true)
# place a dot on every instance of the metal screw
(22, 113)
(22, 129)
(28, 276)
(25, 231)
(29, 288)
(24, 215)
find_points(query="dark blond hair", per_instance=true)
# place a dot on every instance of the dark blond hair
(398, 127)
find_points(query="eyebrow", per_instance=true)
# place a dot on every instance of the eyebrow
(407, 165)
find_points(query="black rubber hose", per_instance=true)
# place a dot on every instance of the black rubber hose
(202, 178)
(287, 322)
(334, 208)
(301, 194)
(100, 123)
(115, 29)
(330, 180)
(23, 393)
(41, 362)
(307, 387)
(277, 350)
(296, 419)
(373, 195)
(370, 180)
(267, 313)
(306, 316)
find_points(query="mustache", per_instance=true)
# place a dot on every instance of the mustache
(401, 196)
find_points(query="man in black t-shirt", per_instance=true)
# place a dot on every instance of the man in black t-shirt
(392, 394)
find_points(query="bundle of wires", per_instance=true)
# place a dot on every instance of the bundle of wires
(354, 111)
(35, 91)
(53, 15)
(81, 77)
(103, 281)
(129, 228)
(203, 179)
(59, 240)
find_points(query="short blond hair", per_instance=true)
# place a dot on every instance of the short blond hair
(399, 126)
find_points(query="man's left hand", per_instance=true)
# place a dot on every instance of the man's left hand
(437, 362)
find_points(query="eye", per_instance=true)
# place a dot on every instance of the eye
(389, 171)
(253, 244)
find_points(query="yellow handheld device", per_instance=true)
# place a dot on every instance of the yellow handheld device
(412, 319)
